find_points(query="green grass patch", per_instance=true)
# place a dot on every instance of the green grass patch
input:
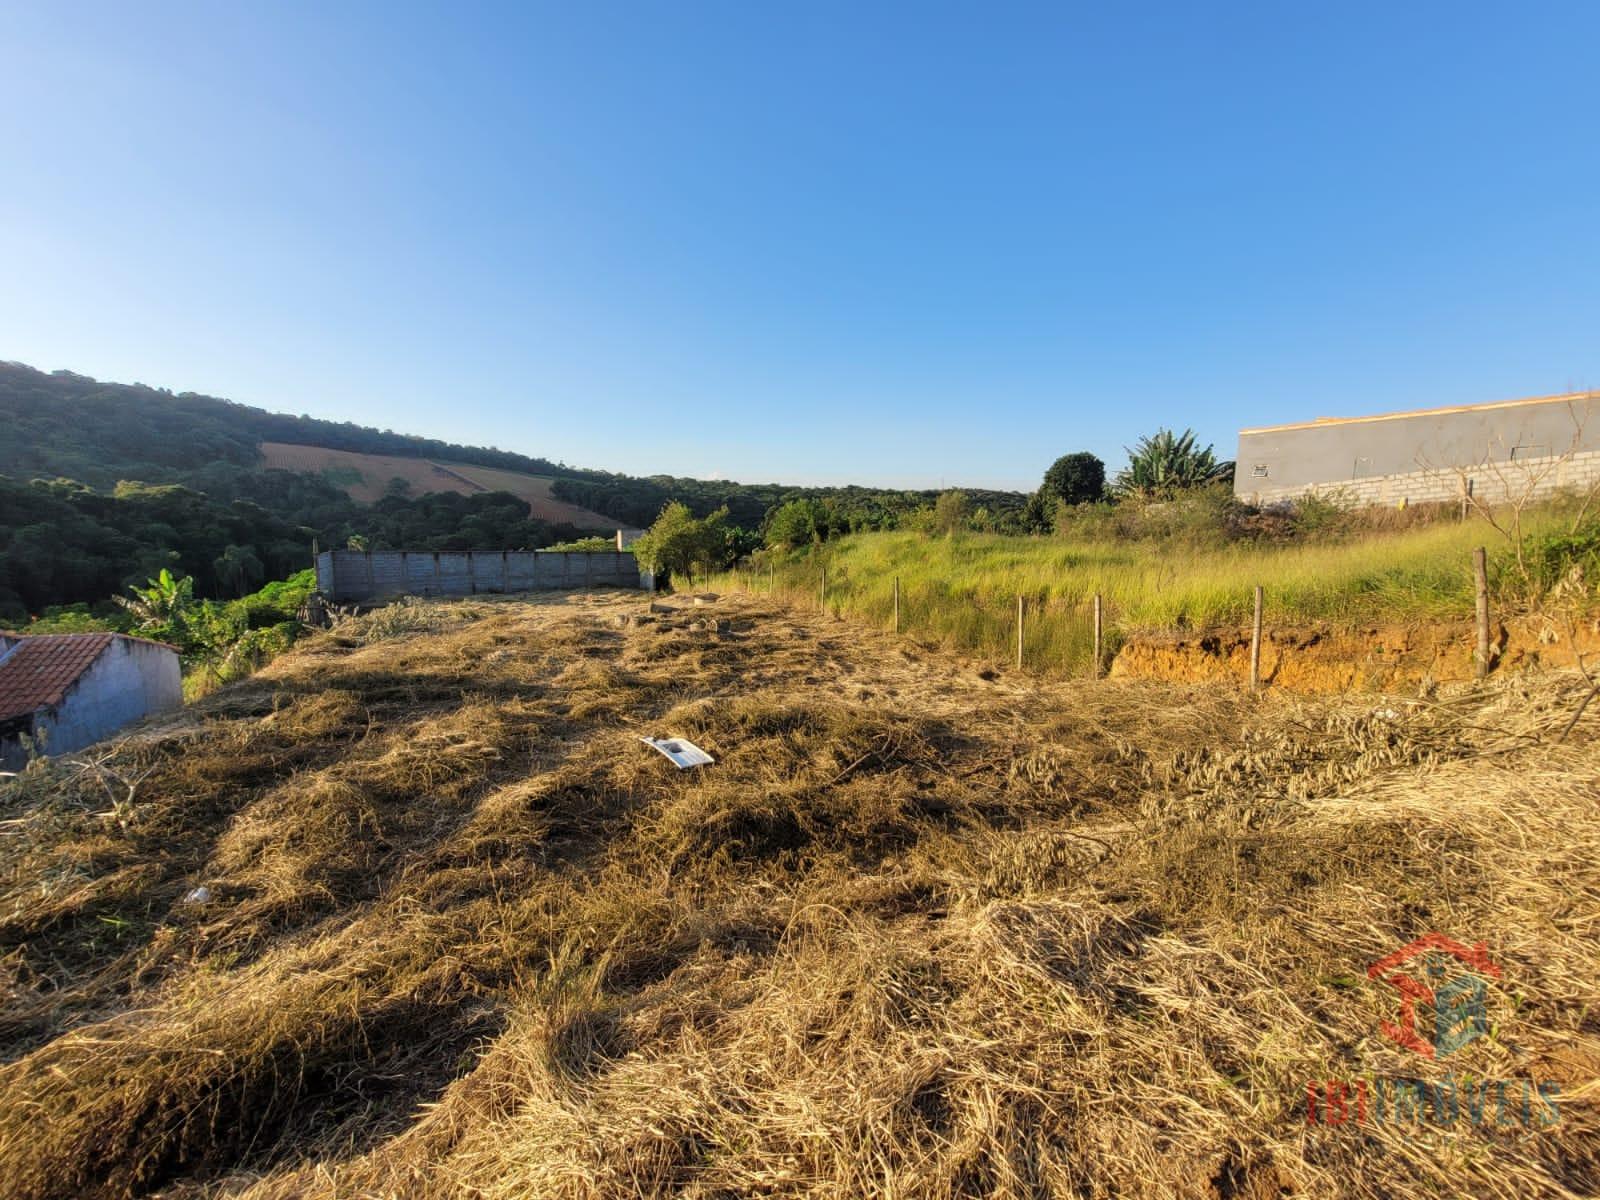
(962, 590)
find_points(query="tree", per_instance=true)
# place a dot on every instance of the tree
(679, 543)
(950, 511)
(1163, 465)
(1036, 514)
(797, 523)
(239, 569)
(1077, 478)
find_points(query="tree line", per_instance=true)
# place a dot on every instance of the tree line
(62, 542)
(638, 501)
(1161, 467)
(61, 424)
(64, 425)
(103, 485)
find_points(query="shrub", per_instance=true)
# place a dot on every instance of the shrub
(1202, 516)
(1571, 560)
(279, 601)
(1313, 514)
(76, 618)
(950, 511)
(586, 545)
(1092, 522)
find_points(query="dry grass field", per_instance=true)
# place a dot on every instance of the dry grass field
(927, 927)
(365, 477)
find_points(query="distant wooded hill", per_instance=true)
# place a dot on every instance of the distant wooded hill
(137, 478)
(63, 424)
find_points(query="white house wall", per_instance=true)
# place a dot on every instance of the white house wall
(128, 681)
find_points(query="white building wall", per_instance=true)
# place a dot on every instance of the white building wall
(1490, 483)
(129, 680)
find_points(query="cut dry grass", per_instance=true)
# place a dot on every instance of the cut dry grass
(921, 930)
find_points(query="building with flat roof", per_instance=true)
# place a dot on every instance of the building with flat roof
(1511, 449)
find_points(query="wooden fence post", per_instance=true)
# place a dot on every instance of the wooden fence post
(1255, 644)
(1095, 670)
(897, 604)
(1019, 632)
(1480, 573)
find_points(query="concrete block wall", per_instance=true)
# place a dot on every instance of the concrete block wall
(1491, 483)
(1508, 449)
(357, 575)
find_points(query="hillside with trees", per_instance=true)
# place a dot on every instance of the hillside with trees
(637, 501)
(64, 424)
(102, 485)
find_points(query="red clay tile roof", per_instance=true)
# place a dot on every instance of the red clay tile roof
(37, 672)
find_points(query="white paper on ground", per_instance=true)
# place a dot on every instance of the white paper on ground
(681, 751)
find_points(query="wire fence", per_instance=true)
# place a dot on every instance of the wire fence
(1058, 635)
(1044, 632)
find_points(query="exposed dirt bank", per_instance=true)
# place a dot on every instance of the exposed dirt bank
(1325, 658)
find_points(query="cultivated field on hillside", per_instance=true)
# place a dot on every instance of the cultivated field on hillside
(365, 477)
(926, 928)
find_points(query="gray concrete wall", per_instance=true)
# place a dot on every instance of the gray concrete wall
(130, 680)
(1532, 447)
(356, 575)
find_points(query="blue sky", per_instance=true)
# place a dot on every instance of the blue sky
(894, 244)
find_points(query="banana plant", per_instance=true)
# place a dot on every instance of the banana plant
(162, 607)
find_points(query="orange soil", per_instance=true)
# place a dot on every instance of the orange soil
(1324, 658)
